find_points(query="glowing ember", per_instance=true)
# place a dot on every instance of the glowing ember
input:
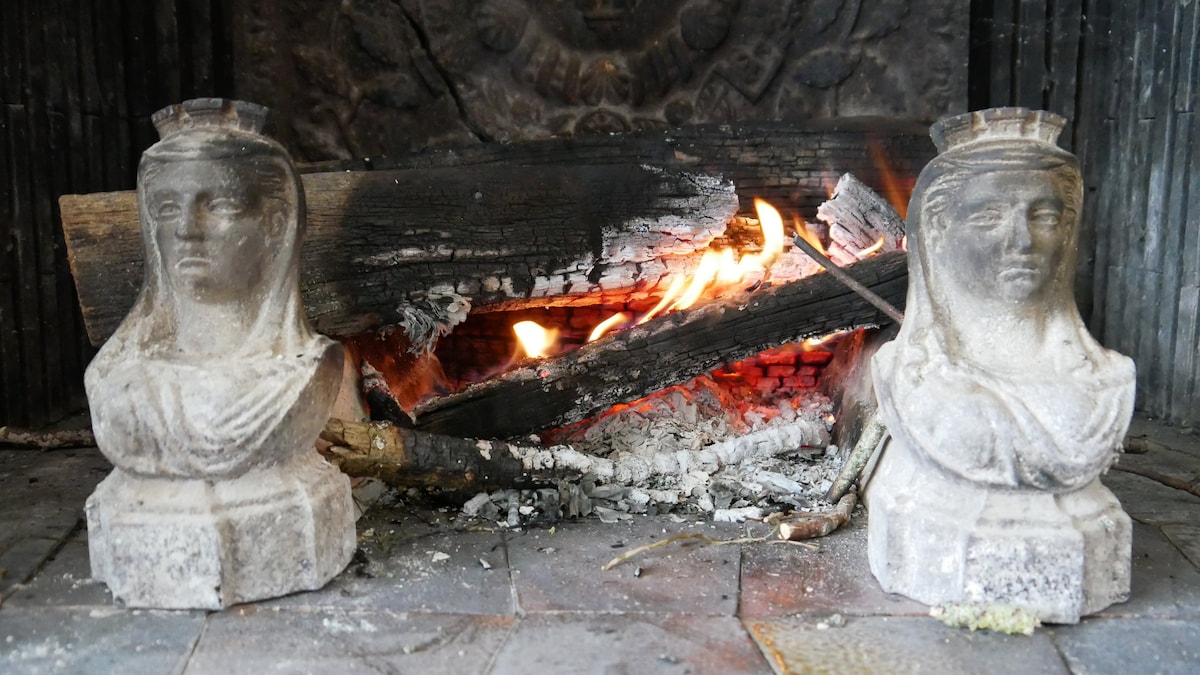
(536, 341)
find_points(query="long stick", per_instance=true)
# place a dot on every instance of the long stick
(850, 282)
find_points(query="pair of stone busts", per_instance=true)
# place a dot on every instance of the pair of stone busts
(1003, 411)
(208, 397)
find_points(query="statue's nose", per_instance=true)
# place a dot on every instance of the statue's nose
(190, 224)
(1019, 235)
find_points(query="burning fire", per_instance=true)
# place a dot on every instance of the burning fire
(718, 270)
(535, 340)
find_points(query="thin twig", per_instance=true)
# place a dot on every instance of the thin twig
(872, 434)
(850, 282)
(676, 537)
(811, 525)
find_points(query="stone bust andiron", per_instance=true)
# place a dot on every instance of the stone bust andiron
(209, 396)
(1003, 410)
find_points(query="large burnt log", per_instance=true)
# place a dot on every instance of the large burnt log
(671, 349)
(513, 224)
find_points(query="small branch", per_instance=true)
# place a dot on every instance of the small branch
(1170, 481)
(405, 457)
(810, 525)
(47, 440)
(850, 282)
(868, 441)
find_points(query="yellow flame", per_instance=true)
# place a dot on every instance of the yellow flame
(608, 324)
(535, 340)
(806, 233)
(863, 254)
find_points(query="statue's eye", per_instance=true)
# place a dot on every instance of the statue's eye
(986, 217)
(168, 210)
(224, 205)
(1045, 217)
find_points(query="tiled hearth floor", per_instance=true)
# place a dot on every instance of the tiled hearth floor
(428, 599)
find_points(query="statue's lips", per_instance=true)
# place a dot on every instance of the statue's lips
(193, 265)
(1020, 271)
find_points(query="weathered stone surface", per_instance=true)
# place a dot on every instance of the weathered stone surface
(369, 77)
(1003, 410)
(209, 395)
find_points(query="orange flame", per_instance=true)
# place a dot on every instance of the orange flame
(895, 188)
(536, 341)
(806, 233)
(618, 319)
(722, 267)
(870, 250)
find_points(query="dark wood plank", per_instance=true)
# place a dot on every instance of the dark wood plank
(196, 46)
(12, 48)
(1065, 43)
(1004, 51)
(167, 57)
(1162, 252)
(1030, 76)
(28, 320)
(11, 372)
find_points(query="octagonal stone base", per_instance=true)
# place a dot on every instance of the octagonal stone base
(194, 544)
(939, 540)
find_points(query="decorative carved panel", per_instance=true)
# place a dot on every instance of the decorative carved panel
(367, 77)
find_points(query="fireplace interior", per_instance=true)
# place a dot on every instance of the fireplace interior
(472, 165)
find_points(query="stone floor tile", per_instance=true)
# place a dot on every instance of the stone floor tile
(897, 645)
(780, 579)
(1142, 646)
(259, 640)
(405, 565)
(97, 640)
(65, 581)
(44, 492)
(559, 570)
(1164, 583)
(21, 559)
(1186, 538)
(1151, 502)
(567, 644)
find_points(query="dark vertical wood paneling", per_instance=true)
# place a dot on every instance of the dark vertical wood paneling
(1030, 77)
(11, 375)
(78, 80)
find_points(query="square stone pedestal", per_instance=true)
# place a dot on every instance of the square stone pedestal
(941, 540)
(194, 544)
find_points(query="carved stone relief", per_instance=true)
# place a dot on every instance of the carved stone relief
(369, 77)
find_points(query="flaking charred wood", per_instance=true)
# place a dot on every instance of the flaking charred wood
(381, 242)
(857, 218)
(671, 349)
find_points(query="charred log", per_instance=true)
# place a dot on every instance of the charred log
(671, 349)
(505, 223)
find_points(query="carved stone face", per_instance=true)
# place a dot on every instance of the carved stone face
(1006, 235)
(211, 227)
